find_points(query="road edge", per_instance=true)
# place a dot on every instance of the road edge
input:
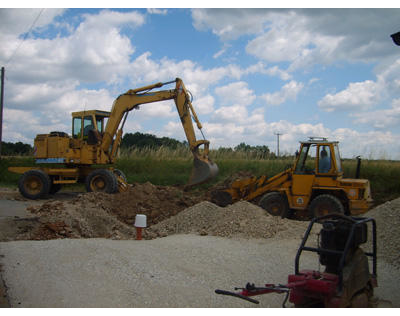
(4, 302)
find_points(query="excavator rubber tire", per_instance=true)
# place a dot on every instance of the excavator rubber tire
(34, 184)
(325, 204)
(101, 180)
(275, 203)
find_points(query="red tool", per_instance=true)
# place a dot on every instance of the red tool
(346, 281)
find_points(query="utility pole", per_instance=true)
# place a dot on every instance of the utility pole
(1, 107)
(277, 140)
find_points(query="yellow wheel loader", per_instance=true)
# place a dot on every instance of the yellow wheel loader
(313, 187)
(87, 155)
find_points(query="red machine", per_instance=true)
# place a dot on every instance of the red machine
(346, 280)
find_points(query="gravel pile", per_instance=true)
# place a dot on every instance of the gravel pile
(387, 218)
(242, 220)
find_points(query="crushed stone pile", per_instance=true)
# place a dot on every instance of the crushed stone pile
(387, 217)
(242, 219)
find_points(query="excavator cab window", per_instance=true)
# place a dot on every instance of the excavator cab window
(87, 126)
(77, 127)
(99, 124)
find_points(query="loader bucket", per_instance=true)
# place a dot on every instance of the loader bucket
(221, 198)
(203, 170)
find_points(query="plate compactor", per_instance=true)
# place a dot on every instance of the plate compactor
(346, 280)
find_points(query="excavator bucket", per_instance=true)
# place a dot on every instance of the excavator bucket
(203, 170)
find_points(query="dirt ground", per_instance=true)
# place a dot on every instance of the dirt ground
(169, 211)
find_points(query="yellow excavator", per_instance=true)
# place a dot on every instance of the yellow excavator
(87, 157)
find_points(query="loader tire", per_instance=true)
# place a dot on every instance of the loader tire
(275, 204)
(101, 180)
(34, 184)
(325, 204)
(119, 173)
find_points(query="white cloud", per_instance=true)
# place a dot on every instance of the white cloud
(288, 92)
(381, 118)
(204, 105)
(157, 11)
(364, 95)
(95, 51)
(18, 21)
(235, 93)
(229, 24)
(357, 95)
(305, 37)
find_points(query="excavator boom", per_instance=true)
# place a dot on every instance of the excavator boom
(203, 168)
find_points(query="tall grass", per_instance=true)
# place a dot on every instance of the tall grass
(165, 166)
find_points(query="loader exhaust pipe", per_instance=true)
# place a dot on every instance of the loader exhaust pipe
(357, 176)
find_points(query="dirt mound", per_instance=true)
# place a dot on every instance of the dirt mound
(102, 215)
(169, 210)
(156, 202)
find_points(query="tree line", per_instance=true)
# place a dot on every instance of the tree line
(143, 140)
(16, 149)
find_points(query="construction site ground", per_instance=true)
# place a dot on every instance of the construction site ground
(79, 249)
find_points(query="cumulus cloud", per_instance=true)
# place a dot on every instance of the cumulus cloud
(229, 24)
(358, 95)
(366, 94)
(288, 92)
(304, 37)
(18, 21)
(380, 119)
(157, 11)
(235, 93)
(102, 51)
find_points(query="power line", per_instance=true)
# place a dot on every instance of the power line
(25, 36)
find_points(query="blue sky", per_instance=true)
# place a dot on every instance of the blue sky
(253, 72)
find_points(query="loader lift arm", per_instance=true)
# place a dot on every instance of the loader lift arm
(204, 168)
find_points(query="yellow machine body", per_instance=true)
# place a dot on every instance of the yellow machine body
(95, 140)
(299, 186)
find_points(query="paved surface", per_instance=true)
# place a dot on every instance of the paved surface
(10, 211)
(176, 271)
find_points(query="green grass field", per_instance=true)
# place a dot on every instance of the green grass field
(169, 167)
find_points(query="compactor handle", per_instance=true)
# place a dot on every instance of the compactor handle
(223, 292)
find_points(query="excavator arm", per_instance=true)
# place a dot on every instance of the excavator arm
(204, 169)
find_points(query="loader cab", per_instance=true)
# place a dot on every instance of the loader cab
(85, 121)
(318, 156)
(317, 162)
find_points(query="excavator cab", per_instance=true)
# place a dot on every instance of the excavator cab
(85, 121)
